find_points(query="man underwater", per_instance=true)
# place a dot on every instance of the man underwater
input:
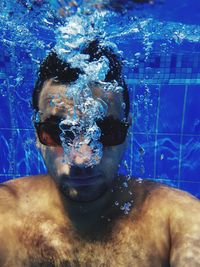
(80, 214)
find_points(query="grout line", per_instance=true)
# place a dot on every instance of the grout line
(169, 81)
(181, 136)
(167, 134)
(177, 134)
(156, 134)
(175, 181)
(16, 129)
(132, 107)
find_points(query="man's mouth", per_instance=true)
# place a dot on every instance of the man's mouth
(83, 188)
(83, 180)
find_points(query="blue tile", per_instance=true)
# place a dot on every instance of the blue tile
(154, 62)
(142, 157)
(7, 155)
(171, 108)
(195, 70)
(190, 164)
(190, 187)
(29, 162)
(19, 155)
(22, 109)
(145, 108)
(187, 61)
(167, 157)
(5, 118)
(192, 111)
(173, 62)
(136, 70)
(125, 165)
(171, 183)
(6, 177)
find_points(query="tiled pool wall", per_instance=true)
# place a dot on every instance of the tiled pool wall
(164, 141)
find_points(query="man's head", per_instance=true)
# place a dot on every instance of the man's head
(74, 171)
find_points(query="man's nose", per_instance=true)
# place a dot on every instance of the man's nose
(82, 155)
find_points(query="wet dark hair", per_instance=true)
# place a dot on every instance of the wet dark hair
(55, 67)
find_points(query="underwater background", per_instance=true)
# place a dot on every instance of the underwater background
(160, 45)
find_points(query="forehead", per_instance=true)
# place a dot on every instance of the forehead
(53, 100)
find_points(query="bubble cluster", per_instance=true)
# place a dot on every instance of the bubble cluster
(126, 207)
(72, 37)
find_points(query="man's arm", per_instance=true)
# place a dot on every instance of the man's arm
(8, 218)
(185, 231)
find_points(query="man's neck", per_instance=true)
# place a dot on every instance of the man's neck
(99, 215)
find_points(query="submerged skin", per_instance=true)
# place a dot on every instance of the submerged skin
(86, 227)
(162, 228)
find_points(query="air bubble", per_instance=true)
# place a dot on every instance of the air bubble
(162, 156)
(125, 184)
(126, 207)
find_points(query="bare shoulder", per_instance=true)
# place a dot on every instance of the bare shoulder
(176, 200)
(15, 193)
(183, 215)
(27, 207)
(179, 213)
(184, 224)
(184, 209)
(157, 196)
(179, 208)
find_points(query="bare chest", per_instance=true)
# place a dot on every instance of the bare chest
(127, 246)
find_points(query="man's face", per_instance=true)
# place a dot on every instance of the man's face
(78, 180)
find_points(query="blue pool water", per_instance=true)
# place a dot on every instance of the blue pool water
(160, 43)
